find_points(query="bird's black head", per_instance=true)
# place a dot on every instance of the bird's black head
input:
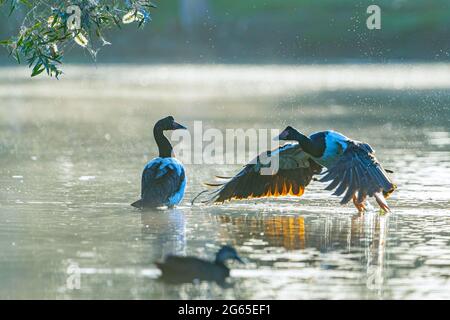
(168, 123)
(227, 253)
(288, 134)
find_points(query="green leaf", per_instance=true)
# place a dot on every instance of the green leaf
(46, 29)
(13, 7)
(26, 2)
(7, 42)
(17, 56)
(38, 69)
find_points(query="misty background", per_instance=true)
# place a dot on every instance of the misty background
(272, 31)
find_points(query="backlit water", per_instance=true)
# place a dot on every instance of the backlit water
(72, 151)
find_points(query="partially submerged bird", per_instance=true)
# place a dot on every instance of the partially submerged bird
(351, 167)
(163, 179)
(177, 269)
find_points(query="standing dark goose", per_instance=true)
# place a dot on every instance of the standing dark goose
(163, 179)
(351, 167)
(176, 269)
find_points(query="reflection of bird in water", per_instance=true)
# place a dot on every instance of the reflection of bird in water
(177, 269)
(166, 230)
(324, 233)
(163, 179)
(352, 170)
(370, 232)
(376, 253)
(285, 231)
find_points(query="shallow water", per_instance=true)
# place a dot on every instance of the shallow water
(72, 151)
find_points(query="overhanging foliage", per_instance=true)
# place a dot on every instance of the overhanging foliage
(51, 27)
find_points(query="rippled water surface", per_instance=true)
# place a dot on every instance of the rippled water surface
(72, 151)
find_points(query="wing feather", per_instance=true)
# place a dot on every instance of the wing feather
(295, 173)
(343, 185)
(352, 186)
(358, 172)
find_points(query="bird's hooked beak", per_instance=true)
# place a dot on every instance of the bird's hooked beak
(176, 126)
(239, 259)
(282, 136)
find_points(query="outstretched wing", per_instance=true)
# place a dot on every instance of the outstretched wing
(162, 180)
(295, 172)
(358, 172)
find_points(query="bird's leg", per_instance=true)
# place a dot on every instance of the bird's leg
(359, 205)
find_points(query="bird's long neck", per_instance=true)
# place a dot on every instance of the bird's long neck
(308, 145)
(219, 260)
(164, 146)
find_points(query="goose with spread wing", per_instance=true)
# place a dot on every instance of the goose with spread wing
(350, 166)
(163, 179)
